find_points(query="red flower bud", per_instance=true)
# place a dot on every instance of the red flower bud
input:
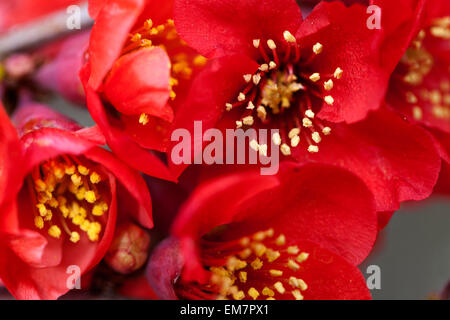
(129, 249)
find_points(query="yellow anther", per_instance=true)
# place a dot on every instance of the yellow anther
(302, 257)
(97, 210)
(256, 79)
(83, 170)
(54, 231)
(42, 209)
(234, 263)
(272, 255)
(248, 121)
(267, 292)
(48, 216)
(276, 138)
(295, 141)
(247, 77)
(76, 179)
(316, 137)
(328, 85)
(78, 220)
(285, 149)
(143, 119)
(297, 295)
(238, 124)
(270, 298)
(270, 232)
(276, 273)
(74, 237)
(148, 24)
(310, 114)
(313, 149)
(256, 43)
(279, 287)
(228, 106)
(70, 170)
(136, 37)
(259, 236)
(95, 178)
(241, 97)
(64, 210)
(326, 131)
(329, 100)
(40, 185)
(200, 61)
(318, 48)
(39, 222)
(250, 106)
(289, 37)
(314, 77)
(338, 73)
(307, 123)
(259, 249)
(293, 250)
(272, 65)
(239, 295)
(271, 44)
(417, 113)
(261, 112)
(85, 225)
(281, 240)
(256, 264)
(243, 276)
(90, 196)
(252, 292)
(293, 132)
(244, 254)
(264, 67)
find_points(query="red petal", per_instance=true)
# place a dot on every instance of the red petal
(231, 25)
(215, 86)
(109, 34)
(397, 161)
(121, 144)
(351, 46)
(139, 83)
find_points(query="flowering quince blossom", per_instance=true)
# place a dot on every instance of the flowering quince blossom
(321, 81)
(60, 197)
(291, 236)
(141, 69)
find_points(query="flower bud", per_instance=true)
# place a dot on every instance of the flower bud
(129, 249)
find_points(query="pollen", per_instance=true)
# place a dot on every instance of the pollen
(289, 37)
(252, 292)
(54, 231)
(69, 192)
(315, 77)
(329, 100)
(276, 273)
(318, 48)
(244, 277)
(143, 119)
(271, 44)
(338, 73)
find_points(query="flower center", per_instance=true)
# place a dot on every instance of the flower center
(261, 266)
(69, 195)
(286, 93)
(415, 72)
(165, 36)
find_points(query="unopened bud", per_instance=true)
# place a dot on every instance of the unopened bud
(129, 249)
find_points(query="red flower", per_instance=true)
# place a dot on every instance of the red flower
(276, 71)
(140, 78)
(420, 85)
(289, 236)
(60, 194)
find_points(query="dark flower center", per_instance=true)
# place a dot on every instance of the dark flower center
(69, 195)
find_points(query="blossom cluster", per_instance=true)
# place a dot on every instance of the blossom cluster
(360, 117)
